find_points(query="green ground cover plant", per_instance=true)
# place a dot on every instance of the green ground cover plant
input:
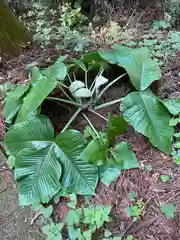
(44, 164)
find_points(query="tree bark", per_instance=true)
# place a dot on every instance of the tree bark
(13, 35)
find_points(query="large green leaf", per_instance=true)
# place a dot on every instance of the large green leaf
(116, 126)
(14, 102)
(96, 151)
(34, 133)
(141, 69)
(37, 172)
(78, 175)
(37, 136)
(109, 174)
(148, 116)
(58, 70)
(124, 156)
(37, 94)
(173, 105)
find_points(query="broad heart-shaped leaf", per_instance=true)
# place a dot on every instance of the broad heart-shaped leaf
(109, 174)
(78, 175)
(13, 103)
(96, 151)
(148, 116)
(37, 134)
(141, 69)
(116, 126)
(173, 105)
(11, 109)
(34, 133)
(37, 172)
(124, 156)
(37, 94)
(57, 71)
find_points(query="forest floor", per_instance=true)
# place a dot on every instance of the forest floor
(144, 183)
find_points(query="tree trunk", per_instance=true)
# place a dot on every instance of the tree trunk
(13, 35)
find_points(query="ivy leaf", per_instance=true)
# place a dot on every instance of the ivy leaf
(141, 69)
(169, 210)
(96, 150)
(173, 105)
(149, 117)
(87, 235)
(124, 156)
(164, 178)
(73, 217)
(47, 212)
(109, 174)
(74, 233)
(116, 126)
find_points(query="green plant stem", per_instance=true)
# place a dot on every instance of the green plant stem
(86, 79)
(91, 125)
(71, 119)
(64, 92)
(69, 78)
(65, 101)
(99, 115)
(108, 104)
(110, 84)
(99, 74)
(63, 85)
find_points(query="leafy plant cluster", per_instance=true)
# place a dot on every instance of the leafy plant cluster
(46, 162)
(80, 223)
(135, 210)
(172, 7)
(161, 41)
(54, 25)
(175, 122)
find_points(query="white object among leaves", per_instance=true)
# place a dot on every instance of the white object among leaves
(83, 93)
(100, 81)
(75, 86)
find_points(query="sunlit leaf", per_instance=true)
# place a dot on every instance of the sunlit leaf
(173, 105)
(124, 156)
(141, 69)
(96, 151)
(109, 174)
(116, 126)
(168, 209)
(78, 175)
(36, 95)
(13, 102)
(148, 116)
(57, 71)
(37, 173)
